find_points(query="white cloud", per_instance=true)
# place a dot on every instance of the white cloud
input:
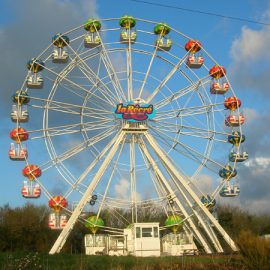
(258, 161)
(250, 115)
(122, 189)
(258, 165)
(250, 60)
(251, 46)
(257, 206)
(205, 183)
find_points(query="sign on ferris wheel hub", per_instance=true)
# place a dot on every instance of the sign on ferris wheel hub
(132, 112)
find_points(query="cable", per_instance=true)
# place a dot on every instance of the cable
(201, 12)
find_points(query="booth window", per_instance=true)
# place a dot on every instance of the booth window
(138, 232)
(146, 232)
(155, 231)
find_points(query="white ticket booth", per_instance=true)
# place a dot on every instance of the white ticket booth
(143, 239)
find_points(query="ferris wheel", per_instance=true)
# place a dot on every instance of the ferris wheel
(123, 114)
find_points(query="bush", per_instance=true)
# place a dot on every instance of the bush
(255, 251)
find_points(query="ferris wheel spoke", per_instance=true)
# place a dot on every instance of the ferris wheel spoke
(167, 78)
(158, 187)
(129, 69)
(62, 77)
(187, 112)
(57, 160)
(68, 106)
(156, 175)
(133, 183)
(78, 148)
(186, 154)
(68, 87)
(57, 108)
(99, 81)
(94, 115)
(102, 117)
(194, 86)
(148, 71)
(204, 135)
(206, 114)
(111, 74)
(98, 127)
(186, 115)
(111, 93)
(63, 127)
(96, 82)
(202, 108)
(85, 69)
(176, 127)
(91, 166)
(189, 149)
(110, 69)
(196, 135)
(69, 129)
(95, 85)
(170, 192)
(110, 178)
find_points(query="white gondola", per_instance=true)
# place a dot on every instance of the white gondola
(95, 244)
(230, 191)
(163, 44)
(17, 152)
(34, 81)
(128, 35)
(238, 157)
(19, 113)
(234, 120)
(178, 244)
(60, 55)
(194, 61)
(219, 88)
(92, 40)
(57, 221)
(30, 190)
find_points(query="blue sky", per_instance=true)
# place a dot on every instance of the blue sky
(26, 26)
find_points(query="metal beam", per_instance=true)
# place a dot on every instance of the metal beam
(167, 186)
(77, 211)
(191, 193)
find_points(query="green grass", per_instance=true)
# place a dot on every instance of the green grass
(21, 261)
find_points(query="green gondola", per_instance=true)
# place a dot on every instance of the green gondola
(162, 29)
(60, 41)
(92, 25)
(175, 222)
(93, 223)
(35, 65)
(127, 22)
(20, 97)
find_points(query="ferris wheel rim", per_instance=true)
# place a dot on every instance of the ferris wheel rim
(46, 129)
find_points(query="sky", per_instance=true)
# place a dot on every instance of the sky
(242, 47)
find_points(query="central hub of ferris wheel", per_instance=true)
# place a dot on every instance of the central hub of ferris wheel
(134, 115)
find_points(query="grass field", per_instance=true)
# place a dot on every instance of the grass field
(32, 261)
